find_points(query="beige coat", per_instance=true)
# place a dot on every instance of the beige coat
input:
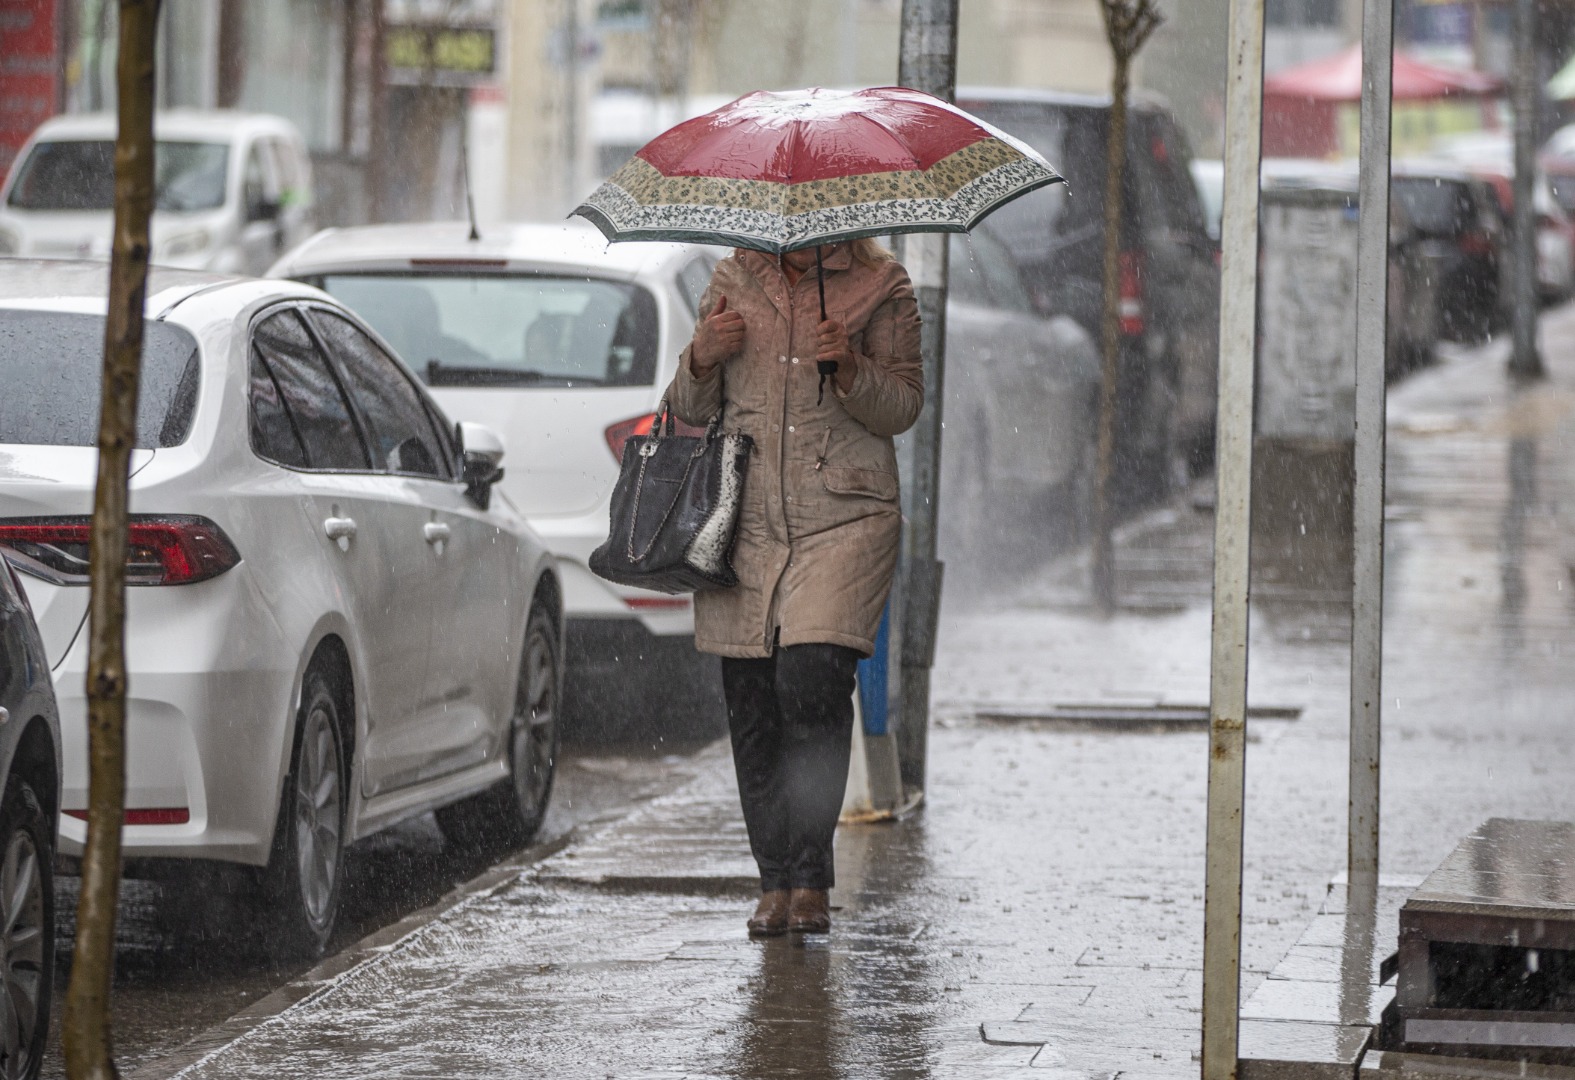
(818, 535)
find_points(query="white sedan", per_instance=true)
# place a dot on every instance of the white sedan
(564, 344)
(334, 621)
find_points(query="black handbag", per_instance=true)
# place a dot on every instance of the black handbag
(675, 509)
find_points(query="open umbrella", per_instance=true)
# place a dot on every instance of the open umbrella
(779, 171)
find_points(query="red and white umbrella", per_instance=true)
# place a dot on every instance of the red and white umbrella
(781, 171)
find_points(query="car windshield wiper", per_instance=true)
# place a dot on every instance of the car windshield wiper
(441, 374)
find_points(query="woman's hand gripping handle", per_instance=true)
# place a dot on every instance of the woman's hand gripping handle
(718, 337)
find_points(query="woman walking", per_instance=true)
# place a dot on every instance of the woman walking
(817, 535)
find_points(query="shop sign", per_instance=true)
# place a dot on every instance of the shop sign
(441, 55)
(29, 72)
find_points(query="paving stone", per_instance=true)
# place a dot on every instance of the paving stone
(1291, 1050)
(1316, 1002)
(1322, 963)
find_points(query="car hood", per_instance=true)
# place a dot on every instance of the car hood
(86, 234)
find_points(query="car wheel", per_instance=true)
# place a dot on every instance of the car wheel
(27, 923)
(308, 853)
(512, 812)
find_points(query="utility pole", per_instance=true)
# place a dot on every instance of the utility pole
(1232, 541)
(85, 1030)
(1524, 360)
(927, 62)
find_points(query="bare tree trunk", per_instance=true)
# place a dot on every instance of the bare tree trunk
(1104, 568)
(86, 1028)
(1128, 24)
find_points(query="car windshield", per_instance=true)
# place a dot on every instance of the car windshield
(50, 365)
(509, 329)
(80, 175)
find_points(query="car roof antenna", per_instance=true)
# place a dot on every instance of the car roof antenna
(464, 168)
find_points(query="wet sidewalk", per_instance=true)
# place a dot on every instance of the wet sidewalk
(1055, 875)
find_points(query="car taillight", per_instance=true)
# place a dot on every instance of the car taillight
(1130, 304)
(163, 549)
(153, 815)
(656, 603)
(1476, 243)
(625, 430)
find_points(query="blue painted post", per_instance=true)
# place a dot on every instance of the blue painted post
(874, 696)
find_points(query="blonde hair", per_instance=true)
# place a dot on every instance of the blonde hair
(866, 250)
(870, 252)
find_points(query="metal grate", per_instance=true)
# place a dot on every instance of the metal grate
(1128, 717)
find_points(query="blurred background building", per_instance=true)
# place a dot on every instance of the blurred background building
(546, 96)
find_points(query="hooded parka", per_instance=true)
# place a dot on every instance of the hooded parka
(820, 526)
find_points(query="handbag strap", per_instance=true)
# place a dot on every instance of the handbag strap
(646, 453)
(663, 426)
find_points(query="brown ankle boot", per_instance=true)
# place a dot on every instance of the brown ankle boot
(771, 914)
(809, 911)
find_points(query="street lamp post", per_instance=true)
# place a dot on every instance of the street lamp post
(928, 62)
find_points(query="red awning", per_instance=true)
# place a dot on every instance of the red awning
(1339, 78)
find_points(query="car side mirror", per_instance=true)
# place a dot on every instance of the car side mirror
(480, 458)
(263, 209)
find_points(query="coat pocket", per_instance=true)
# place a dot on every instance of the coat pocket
(869, 483)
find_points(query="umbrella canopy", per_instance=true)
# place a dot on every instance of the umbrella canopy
(1339, 78)
(780, 171)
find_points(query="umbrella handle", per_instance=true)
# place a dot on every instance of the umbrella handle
(820, 277)
(824, 368)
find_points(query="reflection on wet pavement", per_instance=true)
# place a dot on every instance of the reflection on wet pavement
(184, 958)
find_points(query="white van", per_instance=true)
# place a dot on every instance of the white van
(233, 191)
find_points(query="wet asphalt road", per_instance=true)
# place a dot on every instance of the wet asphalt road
(181, 966)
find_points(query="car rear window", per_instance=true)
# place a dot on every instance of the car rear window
(509, 329)
(1435, 206)
(51, 364)
(80, 175)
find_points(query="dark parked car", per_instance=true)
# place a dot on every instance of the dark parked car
(1017, 455)
(29, 804)
(1169, 269)
(1455, 226)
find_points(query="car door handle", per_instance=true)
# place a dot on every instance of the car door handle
(435, 531)
(339, 528)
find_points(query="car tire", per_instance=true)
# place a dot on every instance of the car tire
(307, 867)
(27, 915)
(511, 813)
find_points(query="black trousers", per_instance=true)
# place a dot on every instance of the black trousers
(791, 719)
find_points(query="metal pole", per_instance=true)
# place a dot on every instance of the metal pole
(1524, 360)
(928, 62)
(1367, 538)
(1232, 540)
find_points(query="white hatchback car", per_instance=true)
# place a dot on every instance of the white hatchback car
(232, 190)
(564, 344)
(333, 621)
